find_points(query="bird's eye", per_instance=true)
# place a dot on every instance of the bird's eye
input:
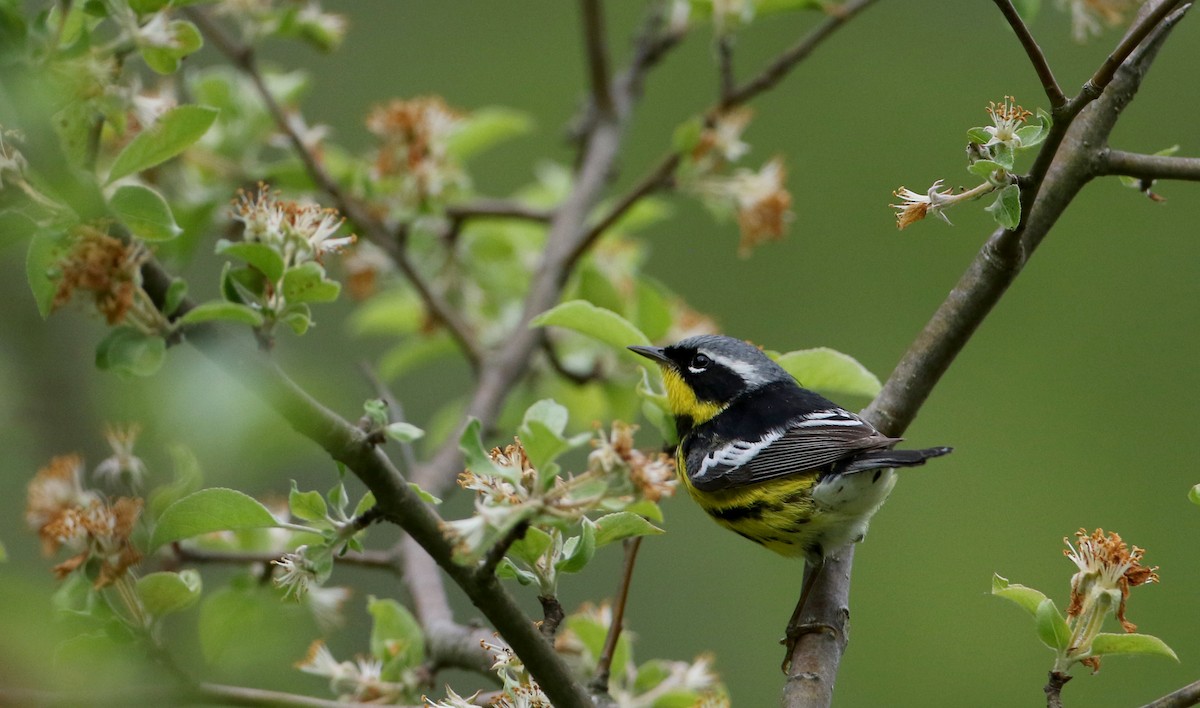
(700, 362)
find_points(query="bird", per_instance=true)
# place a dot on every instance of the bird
(771, 460)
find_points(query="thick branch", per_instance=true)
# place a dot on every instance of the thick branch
(816, 657)
(242, 57)
(1187, 696)
(1049, 84)
(1132, 164)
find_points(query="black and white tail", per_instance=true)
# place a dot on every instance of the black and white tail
(893, 458)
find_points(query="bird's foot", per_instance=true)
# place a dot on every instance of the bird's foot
(795, 632)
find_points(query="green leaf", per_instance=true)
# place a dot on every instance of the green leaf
(298, 316)
(41, 269)
(208, 510)
(1006, 210)
(507, 570)
(307, 506)
(176, 292)
(267, 260)
(1051, 627)
(687, 136)
(222, 310)
(978, 135)
(1106, 644)
(424, 495)
(622, 525)
(597, 323)
(1027, 9)
(227, 617)
(165, 60)
(541, 432)
(175, 131)
(307, 283)
(530, 547)
(396, 637)
(983, 168)
(368, 501)
(485, 128)
(828, 370)
(476, 456)
(578, 550)
(403, 432)
(186, 478)
(1002, 153)
(131, 352)
(1194, 494)
(163, 593)
(768, 7)
(145, 212)
(1026, 597)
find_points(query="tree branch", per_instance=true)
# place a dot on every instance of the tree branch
(604, 663)
(242, 58)
(785, 62)
(597, 56)
(1053, 689)
(1187, 696)
(1132, 164)
(386, 560)
(1049, 84)
(815, 660)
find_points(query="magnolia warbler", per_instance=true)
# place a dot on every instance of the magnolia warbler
(770, 460)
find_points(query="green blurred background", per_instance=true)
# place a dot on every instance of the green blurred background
(1074, 404)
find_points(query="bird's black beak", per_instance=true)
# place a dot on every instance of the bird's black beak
(656, 353)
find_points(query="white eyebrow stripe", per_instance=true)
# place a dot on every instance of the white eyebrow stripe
(748, 372)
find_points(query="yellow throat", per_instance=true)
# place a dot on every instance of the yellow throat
(683, 401)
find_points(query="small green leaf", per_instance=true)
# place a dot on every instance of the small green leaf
(1002, 153)
(130, 352)
(403, 432)
(578, 550)
(368, 501)
(228, 618)
(541, 432)
(485, 128)
(1051, 627)
(1106, 644)
(186, 39)
(298, 316)
(506, 570)
(983, 168)
(41, 269)
(208, 510)
(163, 593)
(530, 547)
(622, 525)
(1026, 597)
(1006, 210)
(1194, 494)
(1027, 9)
(424, 495)
(477, 458)
(145, 212)
(396, 637)
(222, 310)
(175, 131)
(186, 478)
(267, 260)
(687, 136)
(978, 135)
(830, 371)
(308, 506)
(596, 322)
(307, 283)
(176, 292)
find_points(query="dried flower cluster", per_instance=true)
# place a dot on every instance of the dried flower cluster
(653, 474)
(1088, 17)
(414, 137)
(762, 203)
(64, 514)
(104, 266)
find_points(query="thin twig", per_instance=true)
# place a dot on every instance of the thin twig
(727, 81)
(785, 62)
(395, 411)
(1143, 26)
(1053, 689)
(1187, 696)
(595, 42)
(498, 209)
(604, 663)
(657, 178)
(1132, 164)
(552, 616)
(386, 560)
(1049, 84)
(242, 57)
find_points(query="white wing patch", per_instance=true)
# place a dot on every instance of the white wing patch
(737, 453)
(821, 419)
